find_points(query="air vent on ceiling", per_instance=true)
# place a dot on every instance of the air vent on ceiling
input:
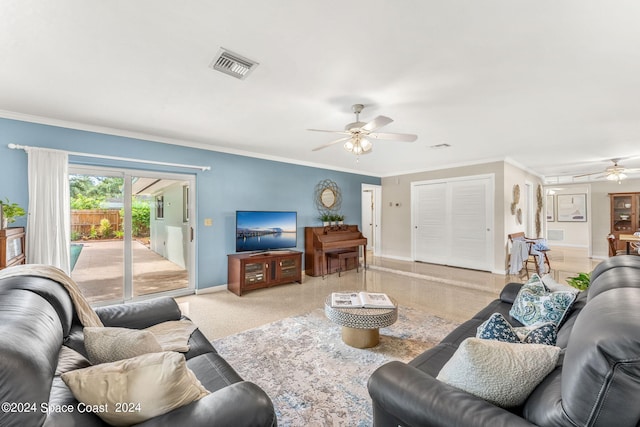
(233, 64)
(443, 145)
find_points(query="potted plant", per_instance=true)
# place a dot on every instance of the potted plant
(10, 211)
(581, 281)
(340, 219)
(325, 218)
(333, 219)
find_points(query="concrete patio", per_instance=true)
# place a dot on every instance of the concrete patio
(100, 270)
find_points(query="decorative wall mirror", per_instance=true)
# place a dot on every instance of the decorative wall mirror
(327, 196)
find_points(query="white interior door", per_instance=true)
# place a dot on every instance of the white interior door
(453, 222)
(372, 216)
(367, 217)
(431, 222)
(471, 224)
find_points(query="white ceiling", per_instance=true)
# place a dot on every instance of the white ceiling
(551, 85)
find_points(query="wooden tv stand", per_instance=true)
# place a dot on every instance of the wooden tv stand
(249, 271)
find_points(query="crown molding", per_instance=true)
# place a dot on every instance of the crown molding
(12, 115)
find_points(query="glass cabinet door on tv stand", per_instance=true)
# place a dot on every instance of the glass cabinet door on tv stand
(288, 269)
(255, 273)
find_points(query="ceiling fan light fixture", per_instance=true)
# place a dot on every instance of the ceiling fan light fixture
(616, 176)
(348, 145)
(356, 142)
(358, 145)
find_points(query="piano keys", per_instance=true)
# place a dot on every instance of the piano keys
(318, 241)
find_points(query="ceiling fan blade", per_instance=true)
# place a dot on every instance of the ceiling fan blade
(331, 143)
(586, 174)
(406, 137)
(341, 132)
(377, 123)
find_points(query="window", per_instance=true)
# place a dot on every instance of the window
(185, 203)
(159, 207)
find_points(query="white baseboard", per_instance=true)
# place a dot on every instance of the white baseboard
(211, 289)
(398, 258)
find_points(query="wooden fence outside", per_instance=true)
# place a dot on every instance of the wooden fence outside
(83, 219)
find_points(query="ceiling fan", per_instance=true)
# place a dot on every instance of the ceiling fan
(360, 133)
(612, 173)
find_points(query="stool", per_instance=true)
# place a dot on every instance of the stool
(345, 255)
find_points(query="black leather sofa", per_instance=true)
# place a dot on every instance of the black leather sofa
(37, 318)
(597, 382)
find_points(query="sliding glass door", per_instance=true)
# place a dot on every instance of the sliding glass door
(131, 233)
(161, 234)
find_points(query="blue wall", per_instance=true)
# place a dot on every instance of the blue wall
(233, 183)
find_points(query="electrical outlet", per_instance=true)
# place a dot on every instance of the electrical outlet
(208, 222)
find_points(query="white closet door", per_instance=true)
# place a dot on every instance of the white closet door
(430, 223)
(470, 233)
(453, 222)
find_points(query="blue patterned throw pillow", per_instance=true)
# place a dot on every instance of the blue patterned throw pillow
(497, 328)
(535, 285)
(535, 304)
(543, 333)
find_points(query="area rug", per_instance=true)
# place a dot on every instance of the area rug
(313, 378)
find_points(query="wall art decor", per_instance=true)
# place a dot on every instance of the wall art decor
(572, 207)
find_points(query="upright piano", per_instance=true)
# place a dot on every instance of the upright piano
(319, 241)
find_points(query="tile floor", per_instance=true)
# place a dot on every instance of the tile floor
(452, 293)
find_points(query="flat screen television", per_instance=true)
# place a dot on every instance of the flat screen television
(265, 230)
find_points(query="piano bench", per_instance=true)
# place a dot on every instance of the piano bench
(340, 256)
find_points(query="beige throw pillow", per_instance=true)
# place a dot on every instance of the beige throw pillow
(500, 372)
(105, 345)
(149, 385)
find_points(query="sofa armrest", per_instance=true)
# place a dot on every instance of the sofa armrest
(418, 399)
(510, 292)
(140, 315)
(239, 404)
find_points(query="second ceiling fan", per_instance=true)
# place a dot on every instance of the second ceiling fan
(613, 173)
(359, 134)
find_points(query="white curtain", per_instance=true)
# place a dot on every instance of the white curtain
(48, 223)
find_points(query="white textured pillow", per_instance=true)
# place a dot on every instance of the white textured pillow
(149, 385)
(499, 372)
(554, 286)
(106, 345)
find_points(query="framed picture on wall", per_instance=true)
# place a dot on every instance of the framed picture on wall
(572, 207)
(551, 208)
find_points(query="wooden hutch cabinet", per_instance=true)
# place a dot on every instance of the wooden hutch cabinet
(625, 215)
(251, 271)
(11, 247)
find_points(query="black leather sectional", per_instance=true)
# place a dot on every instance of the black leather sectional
(37, 318)
(596, 384)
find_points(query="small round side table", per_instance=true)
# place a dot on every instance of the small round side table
(361, 326)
